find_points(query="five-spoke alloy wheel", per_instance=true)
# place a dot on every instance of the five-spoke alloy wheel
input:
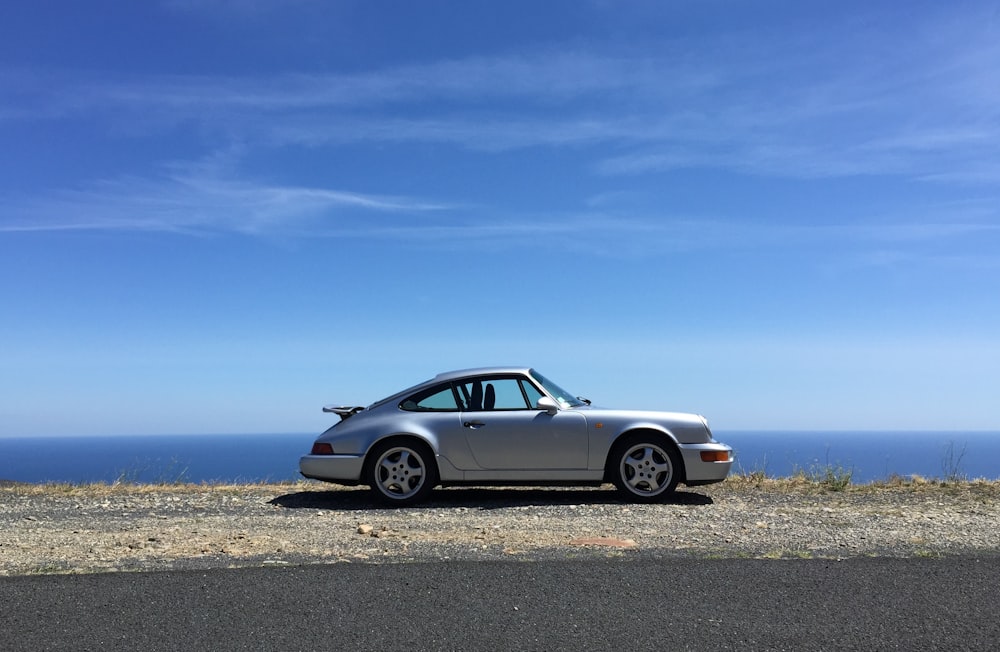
(401, 473)
(646, 469)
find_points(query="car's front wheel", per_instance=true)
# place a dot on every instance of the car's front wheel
(401, 472)
(646, 468)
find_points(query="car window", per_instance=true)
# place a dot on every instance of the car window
(494, 394)
(508, 395)
(439, 398)
(531, 392)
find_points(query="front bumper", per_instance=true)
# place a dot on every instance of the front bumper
(341, 469)
(699, 472)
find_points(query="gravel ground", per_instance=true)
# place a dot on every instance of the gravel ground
(98, 528)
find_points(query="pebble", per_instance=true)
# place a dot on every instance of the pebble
(89, 530)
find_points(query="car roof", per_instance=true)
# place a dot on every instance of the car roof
(480, 371)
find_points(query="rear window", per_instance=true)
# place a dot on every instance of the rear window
(435, 399)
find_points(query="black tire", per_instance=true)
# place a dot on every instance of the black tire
(401, 471)
(645, 468)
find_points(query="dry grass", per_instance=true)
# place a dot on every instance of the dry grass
(800, 483)
(110, 489)
(803, 483)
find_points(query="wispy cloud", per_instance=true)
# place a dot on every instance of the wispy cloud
(546, 77)
(183, 203)
(613, 235)
(238, 8)
(929, 110)
(209, 198)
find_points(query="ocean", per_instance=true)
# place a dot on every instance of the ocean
(868, 456)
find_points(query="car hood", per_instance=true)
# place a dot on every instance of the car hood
(651, 415)
(686, 427)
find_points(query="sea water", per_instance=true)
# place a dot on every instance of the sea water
(154, 458)
(868, 456)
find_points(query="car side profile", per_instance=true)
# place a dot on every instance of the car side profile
(510, 426)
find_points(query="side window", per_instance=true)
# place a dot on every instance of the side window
(507, 395)
(497, 394)
(531, 392)
(438, 399)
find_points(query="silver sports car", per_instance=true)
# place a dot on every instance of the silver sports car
(510, 425)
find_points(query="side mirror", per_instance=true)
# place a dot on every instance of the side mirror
(547, 404)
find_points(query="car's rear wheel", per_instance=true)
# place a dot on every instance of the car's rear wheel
(646, 468)
(401, 472)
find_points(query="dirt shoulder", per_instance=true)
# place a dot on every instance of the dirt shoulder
(98, 528)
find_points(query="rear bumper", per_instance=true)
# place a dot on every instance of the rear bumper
(342, 469)
(699, 472)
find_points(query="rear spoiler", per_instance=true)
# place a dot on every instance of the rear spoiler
(343, 411)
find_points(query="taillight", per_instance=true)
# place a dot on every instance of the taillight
(322, 448)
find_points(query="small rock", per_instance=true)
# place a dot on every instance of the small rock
(610, 542)
(365, 528)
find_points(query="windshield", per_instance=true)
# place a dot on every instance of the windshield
(565, 398)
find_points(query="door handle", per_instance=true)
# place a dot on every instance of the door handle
(473, 424)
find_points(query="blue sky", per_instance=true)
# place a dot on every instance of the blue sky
(219, 215)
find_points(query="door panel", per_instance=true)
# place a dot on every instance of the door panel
(527, 439)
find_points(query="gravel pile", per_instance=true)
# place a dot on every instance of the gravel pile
(53, 529)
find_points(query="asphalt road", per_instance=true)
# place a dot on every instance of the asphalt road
(587, 604)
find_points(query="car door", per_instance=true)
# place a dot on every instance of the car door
(507, 433)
